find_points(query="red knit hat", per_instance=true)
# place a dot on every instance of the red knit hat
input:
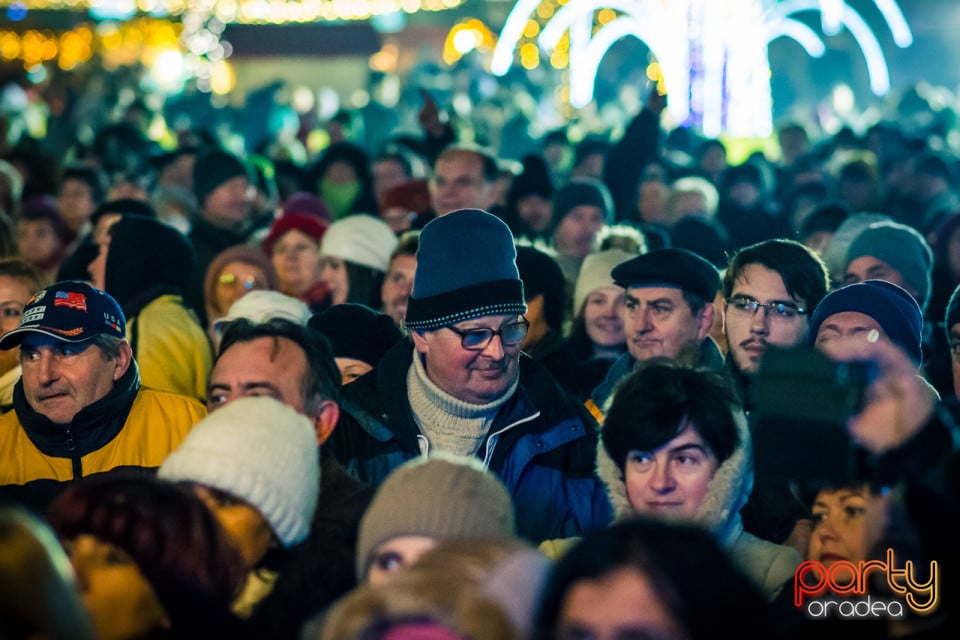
(304, 222)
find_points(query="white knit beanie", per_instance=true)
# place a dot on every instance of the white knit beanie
(362, 239)
(262, 306)
(595, 273)
(260, 451)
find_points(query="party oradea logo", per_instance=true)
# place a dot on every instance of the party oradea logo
(843, 589)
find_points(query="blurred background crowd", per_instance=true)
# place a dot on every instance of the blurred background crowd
(262, 236)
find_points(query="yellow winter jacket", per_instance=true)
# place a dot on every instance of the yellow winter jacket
(171, 347)
(131, 428)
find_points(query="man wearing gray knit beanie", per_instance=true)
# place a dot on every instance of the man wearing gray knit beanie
(460, 384)
(893, 252)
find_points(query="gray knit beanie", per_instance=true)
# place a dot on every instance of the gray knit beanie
(260, 451)
(901, 247)
(443, 496)
(835, 253)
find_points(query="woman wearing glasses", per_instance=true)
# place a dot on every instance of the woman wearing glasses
(232, 274)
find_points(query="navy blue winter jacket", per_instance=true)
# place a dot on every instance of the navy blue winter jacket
(542, 445)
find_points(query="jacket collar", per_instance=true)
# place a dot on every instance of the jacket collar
(94, 426)
(707, 355)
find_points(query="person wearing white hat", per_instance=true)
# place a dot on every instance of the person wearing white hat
(597, 335)
(254, 464)
(259, 307)
(354, 254)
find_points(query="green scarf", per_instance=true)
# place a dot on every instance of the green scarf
(338, 197)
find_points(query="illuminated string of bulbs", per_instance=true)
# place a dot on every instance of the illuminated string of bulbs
(247, 11)
(137, 40)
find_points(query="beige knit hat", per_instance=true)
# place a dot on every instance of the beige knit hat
(595, 273)
(443, 496)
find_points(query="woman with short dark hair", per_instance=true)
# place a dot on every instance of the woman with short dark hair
(676, 446)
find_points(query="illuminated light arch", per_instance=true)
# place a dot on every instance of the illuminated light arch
(712, 54)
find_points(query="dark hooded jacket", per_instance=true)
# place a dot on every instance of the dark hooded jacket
(151, 271)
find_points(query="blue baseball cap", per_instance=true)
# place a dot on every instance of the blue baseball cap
(70, 311)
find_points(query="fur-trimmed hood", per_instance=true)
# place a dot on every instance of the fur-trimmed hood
(727, 492)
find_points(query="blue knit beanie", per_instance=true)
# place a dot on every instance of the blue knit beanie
(893, 308)
(466, 268)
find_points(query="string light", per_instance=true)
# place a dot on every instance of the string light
(205, 52)
(117, 44)
(252, 11)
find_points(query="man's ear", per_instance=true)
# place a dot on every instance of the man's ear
(705, 322)
(420, 342)
(325, 420)
(122, 363)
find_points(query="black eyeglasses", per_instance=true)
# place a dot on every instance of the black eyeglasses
(478, 339)
(782, 310)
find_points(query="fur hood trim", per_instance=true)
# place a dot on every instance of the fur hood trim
(727, 492)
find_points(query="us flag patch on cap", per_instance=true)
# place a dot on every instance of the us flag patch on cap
(70, 299)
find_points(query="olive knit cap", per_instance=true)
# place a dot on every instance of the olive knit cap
(440, 496)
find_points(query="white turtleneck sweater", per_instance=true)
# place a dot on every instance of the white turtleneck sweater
(450, 424)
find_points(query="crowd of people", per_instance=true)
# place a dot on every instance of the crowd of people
(621, 388)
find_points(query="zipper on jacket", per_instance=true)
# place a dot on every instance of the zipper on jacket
(424, 444)
(74, 457)
(493, 437)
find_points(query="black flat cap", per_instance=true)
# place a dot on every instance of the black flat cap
(671, 267)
